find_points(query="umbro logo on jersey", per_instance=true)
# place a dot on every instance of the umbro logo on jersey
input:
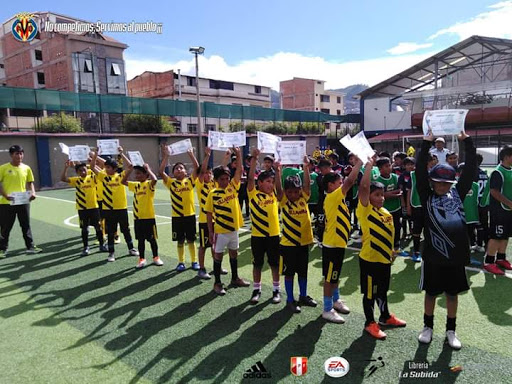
(257, 371)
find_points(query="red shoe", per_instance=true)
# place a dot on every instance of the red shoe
(493, 268)
(374, 330)
(393, 321)
(505, 264)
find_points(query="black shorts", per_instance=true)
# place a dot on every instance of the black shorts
(102, 212)
(294, 260)
(313, 209)
(501, 224)
(262, 245)
(332, 260)
(89, 217)
(184, 228)
(204, 237)
(145, 229)
(418, 220)
(436, 279)
(352, 204)
(115, 217)
(374, 278)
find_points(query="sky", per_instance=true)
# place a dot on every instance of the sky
(263, 42)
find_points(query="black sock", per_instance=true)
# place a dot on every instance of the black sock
(142, 248)
(500, 256)
(489, 259)
(216, 270)
(99, 235)
(368, 310)
(154, 247)
(382, 302)
(416, 243)
(233, 262)
(450, 323)
(428, 321)
(85, 238)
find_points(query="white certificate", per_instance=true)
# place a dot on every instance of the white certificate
(79, 153)
(358, 145)
(232, 139)
(291, 152)
(213, 140)
(64, 148)
(267, 143)
(108, 147)
(180, 147)
(20, 198)
(136, 158)
(444, 121)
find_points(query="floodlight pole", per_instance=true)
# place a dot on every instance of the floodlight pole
(198, 51)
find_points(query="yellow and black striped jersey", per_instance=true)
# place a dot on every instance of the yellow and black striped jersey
(378, 233)
(337, 220)
(296, 219)
(143, 199)
(85, 191)
(264, 213)
(202, 191)
(114, 192)
(223, 204)
(182, 196)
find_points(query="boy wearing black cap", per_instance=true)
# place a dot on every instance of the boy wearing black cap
(446, 250)
(16, 177)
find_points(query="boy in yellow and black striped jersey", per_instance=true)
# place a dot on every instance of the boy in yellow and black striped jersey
(143, 189)
(336, 235)
(86, 203)
(224, 220)
(376, 254)
(183, 219)
(297, 236)
(263, 203)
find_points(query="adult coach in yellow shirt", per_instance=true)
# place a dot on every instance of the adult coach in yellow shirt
(16, 177)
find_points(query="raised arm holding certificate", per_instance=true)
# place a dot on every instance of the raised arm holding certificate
(358, 145)
(136, 158)
(232, 139)
(180, 147)
(79, 153)
(444, 122)
(267, 143)
(291, 152)
(108, 147)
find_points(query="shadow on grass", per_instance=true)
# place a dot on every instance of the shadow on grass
(494, 299)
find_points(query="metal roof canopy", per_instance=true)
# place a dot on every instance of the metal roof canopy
(475, 50)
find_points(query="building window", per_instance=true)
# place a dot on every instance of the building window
(338, 111)
(210, 127)
(338, 99)
(1, 65)
(40, 78)
(319, 82)
(192, 128)
(257, 89)
(218, 84)
(115, 70)
(191, 81)
(325, 110)
(38, 54)
(88, 65)
(325, 98)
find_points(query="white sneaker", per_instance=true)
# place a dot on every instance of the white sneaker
(425, 336)
(355, 235)
(111, 257)
(333, 317)
(358, 240)
(158, 261)
(134, 252)
(141, 264)
(453, 341)
(341, 307)
(479, 248)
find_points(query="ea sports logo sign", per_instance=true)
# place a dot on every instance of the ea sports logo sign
(24, 27)
(336, 366)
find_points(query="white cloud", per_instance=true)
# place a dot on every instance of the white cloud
(270, 70)
(494, 23)
(405, 47)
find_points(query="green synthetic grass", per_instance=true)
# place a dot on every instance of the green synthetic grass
(72, 319)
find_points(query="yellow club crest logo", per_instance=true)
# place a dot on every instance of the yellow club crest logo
(24, 28)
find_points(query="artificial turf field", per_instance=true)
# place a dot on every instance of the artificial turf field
(72, 319)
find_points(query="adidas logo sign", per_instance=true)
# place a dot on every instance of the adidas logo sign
(257, 371)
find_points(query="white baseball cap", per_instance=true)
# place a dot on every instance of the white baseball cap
(440, 139)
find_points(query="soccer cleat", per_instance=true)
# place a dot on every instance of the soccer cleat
(85, 252)
(195, 266)
(158, 261)
(103, 248)
(479, 248)
(307, 301)
(202, 274)
(117, 239)
(355, 235)
(218, 288)
(425, 335)
(238, 282)
(141, 264)
(3, 253)
(111, 257)
(276, 297)
(505, 264)
(374, 330)
(403, 253)
(33, 250)
(133, 252)
(476, 263)
(293, 306)
(223, 271)
(341, 307)
(453, 341)
(493, 268)
(180, 267)
(393, 321)
(332, 317)
(416, 257)
(255, 297)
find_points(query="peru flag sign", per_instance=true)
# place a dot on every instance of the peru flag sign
(299, 366)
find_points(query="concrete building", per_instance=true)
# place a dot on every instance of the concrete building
(172, 85)
(72, 61)
(310, 95)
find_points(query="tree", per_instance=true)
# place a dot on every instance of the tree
(60, 123)
(146, 124)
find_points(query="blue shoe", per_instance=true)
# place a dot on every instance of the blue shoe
(181, 267)
(403, 253)
(195, 266)
(476, 263)
(416, 257)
